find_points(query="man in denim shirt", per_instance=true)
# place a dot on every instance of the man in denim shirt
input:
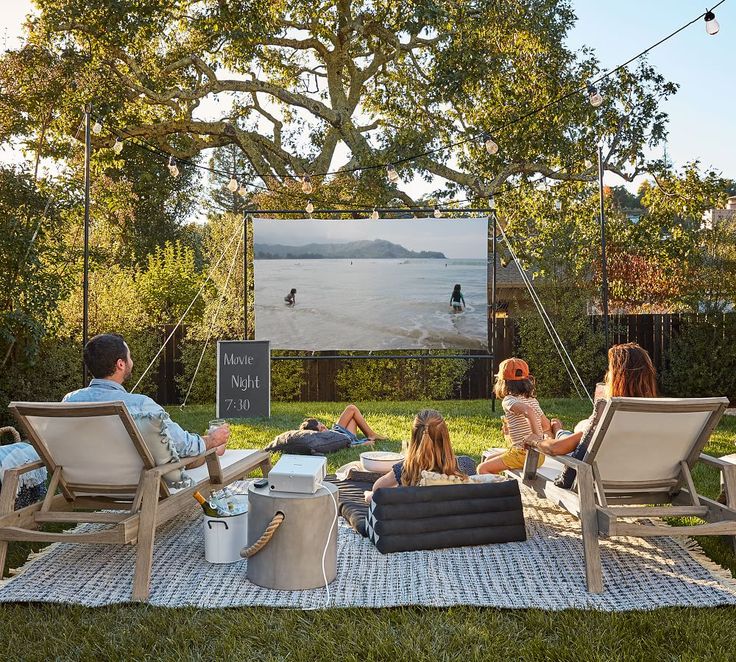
(108, 358)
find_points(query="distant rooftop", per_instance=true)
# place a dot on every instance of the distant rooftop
(509, 275)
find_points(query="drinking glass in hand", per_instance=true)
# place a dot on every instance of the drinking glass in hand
(214, 424)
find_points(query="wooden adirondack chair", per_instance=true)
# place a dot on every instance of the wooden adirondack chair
(639, 465)
(97, 459)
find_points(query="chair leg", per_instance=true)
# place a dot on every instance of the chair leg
(589, 525)
(265, 467)
(728, 477)
(146, 535)
(7, 505)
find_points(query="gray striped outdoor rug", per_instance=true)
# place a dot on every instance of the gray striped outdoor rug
(545, 572)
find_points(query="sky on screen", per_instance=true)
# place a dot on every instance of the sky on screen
(455, 240)
(701, 124)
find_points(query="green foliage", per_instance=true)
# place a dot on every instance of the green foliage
(399, 379)
(33, 257)
(702, 359)
(55, 370)
(169, 284)
(222, 307)
(584, 345)
(671, 256)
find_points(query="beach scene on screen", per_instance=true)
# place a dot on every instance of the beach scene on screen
(371, 285)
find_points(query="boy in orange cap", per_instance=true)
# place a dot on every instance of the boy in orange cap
(525, 419)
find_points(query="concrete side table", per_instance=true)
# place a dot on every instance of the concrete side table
(292, 559)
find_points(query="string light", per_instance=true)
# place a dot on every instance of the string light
(393, 176)
(594, 96)
(437, 212)
(491, 145)
(711, 25)
(232, 185)
(242, 191)
(307, 184)
(173, 168)
(374, 214)
(310, 207)
(97, 128)
(118, 146)
(558, 205)
(491, 203)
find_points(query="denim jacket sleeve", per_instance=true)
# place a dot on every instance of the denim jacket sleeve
(186, 443)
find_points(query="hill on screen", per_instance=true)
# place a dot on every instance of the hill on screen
(356, 250)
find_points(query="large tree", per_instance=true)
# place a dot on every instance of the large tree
(313, 87)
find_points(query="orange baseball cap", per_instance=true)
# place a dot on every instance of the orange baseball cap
(513, 369)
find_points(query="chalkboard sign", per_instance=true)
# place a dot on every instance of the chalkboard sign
(243, 378)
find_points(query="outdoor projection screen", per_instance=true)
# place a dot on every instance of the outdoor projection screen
(371, 285)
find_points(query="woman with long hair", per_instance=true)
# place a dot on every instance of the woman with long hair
(630, 374)
(429, 450)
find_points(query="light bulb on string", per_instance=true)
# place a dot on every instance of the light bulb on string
(310, 207)
(711, 25)
(232, 185)
(374, 214)
(97, 128)
(437, 212)
(118, 146)
(173, 168)
(558, 205)
(492, 203)
(307, 184)
(594, 96)
(491, 145)
(242, 191)
(391, 173)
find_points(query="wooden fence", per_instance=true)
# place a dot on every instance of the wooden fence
(653, 332)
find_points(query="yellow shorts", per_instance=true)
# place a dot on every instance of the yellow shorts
(514, 458)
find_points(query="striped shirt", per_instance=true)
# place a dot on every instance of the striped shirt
(519, 427)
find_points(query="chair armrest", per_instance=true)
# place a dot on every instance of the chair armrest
(568, 461)
(25, 468)
(181, 464)
(715, 462)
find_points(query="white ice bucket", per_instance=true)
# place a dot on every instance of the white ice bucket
(224, 537)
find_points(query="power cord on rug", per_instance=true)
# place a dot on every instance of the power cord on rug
(327, 545)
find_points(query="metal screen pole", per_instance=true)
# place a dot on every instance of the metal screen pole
(493, 313)
(245, 277)
(85, 277)
(604, 269)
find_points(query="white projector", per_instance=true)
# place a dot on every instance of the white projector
(297, 473)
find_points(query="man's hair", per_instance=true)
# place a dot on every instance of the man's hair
(102, 352)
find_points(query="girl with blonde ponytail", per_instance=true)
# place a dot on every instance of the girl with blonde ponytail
(429, 450)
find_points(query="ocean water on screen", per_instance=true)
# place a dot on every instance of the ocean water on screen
(371, 304)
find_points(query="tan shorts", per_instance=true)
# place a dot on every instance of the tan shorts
(514, 458)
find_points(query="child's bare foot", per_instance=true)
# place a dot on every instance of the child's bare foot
(555, 425)
(378, 437)
(368, 441)
(220, 450)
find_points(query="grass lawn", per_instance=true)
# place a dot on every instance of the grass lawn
(36, 632)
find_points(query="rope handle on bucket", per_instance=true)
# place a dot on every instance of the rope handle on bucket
(259, 544)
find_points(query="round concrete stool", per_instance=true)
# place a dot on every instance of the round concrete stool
(292, 559)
